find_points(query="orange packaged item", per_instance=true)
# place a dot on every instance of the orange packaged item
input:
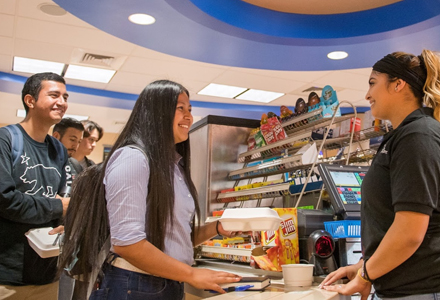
(284, 240)
(261, 258)
(218, 213)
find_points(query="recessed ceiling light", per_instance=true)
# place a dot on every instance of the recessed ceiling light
(29, 65)
(89, 74)
(221, 90)
(259, 96)
(337, 55)
(142, 19)
(22, 113)
(52, 9)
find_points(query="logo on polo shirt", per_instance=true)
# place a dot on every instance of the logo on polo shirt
(383, 150)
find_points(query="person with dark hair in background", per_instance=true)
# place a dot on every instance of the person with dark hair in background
(70, 133)
(400, 212)
(92, 134)
(148, 202)
(28, 189)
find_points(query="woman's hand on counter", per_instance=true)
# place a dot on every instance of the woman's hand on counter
(207, 279)
(357, 285)
(343, 272)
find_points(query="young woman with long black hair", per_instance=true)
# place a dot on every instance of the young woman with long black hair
(146, 198)
(400, 211)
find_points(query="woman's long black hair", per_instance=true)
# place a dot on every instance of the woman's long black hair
(150, 127)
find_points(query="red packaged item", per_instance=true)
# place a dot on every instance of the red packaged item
(273, 131)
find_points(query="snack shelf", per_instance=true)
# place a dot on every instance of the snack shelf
(275, 148)
(283, 165)
(225, 253)
(359, 136)
(291, 124)
(361, 156)
(275, 166)
(270, 191)
(291, 142)
(323, 122)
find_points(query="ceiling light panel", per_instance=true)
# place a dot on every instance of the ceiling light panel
(28, 65)
(89, 74)
(259, 96)
(221, 90)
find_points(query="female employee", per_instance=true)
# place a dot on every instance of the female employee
(151, 203)
(400, 193)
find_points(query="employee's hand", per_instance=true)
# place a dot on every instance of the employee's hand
(348, 271)
(65, 202)
(354, 286)
(207, 279)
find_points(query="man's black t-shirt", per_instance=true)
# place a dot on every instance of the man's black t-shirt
(27, 200)
(405, 176)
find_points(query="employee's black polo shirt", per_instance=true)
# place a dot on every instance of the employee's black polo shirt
(405, 176)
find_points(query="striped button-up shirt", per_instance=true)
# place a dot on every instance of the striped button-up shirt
(126, 186)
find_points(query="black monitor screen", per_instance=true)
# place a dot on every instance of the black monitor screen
(343, 183)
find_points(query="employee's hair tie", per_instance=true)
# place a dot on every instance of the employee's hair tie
(216, 227)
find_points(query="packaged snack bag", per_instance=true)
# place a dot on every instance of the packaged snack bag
(273, 131)
(300, 108)
(261, 258)
(259, 139)
(286, 249)
(329, 101)
(287, 238)
(285, 113)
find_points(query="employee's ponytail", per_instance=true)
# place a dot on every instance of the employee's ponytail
(432, 84)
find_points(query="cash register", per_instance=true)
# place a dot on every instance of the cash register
(343, 184)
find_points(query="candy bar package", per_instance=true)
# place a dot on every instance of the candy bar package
(273, 131)
(285, 243)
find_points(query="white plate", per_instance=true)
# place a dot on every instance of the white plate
(250, 219)
(40, 240)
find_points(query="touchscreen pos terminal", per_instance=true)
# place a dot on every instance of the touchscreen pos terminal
(343, 184)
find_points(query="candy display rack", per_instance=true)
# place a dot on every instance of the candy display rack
(282, 165)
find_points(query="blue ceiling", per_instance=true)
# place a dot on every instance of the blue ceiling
(236, 33)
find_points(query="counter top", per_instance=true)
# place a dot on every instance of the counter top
(276, 291)
(311, 294)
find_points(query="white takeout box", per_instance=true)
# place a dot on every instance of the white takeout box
(40, 240)
(250, 219)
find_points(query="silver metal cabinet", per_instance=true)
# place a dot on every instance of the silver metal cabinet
(216, 143)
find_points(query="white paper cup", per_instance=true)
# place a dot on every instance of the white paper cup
(298, 274)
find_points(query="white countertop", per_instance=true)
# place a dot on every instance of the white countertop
(313, 294)
(276, 291)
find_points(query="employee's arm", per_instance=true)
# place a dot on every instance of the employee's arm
(162, 265)
(403, 238)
